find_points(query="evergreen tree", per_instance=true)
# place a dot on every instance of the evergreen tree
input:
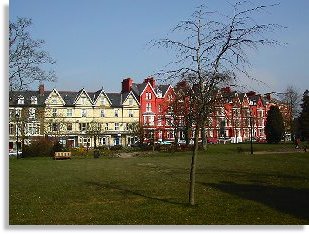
(304, 117)
(274, 128)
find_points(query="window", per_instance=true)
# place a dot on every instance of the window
(116, 112)
(148, 107)
(69, 127)
(11, 114)
(151, 120)
(148, 96)
(83, 126)
(18, 112)
(170, 134)
(54, 101)
(31, 113)
(21, 100)
(84, 113)
(159, 121)
(54, 112)
(170, 110)
(160, 108)
(33, 129)
(106, 126)
(83, 100)
(117, 141)
(159, 93)
(103, 113)
(130, 113)
(34, 100)
(69, 112)
(11, 129)
(116, 126)
(104, 141)
(130, 102)
(55, 127)
(168, 121)
(103, 101)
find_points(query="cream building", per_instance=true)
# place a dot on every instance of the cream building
(80, 118)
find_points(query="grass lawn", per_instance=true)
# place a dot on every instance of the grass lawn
(231, 188)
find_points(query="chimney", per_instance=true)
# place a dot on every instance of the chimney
(41, 90)
(150, 80)
(226, 89)
(126, 85)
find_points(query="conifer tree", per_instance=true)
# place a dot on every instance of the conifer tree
(274, 128)
(304, 116)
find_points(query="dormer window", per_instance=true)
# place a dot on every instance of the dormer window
(34, 100)
(21, 100)
(159, 92)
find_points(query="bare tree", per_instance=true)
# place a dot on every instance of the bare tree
(95, 130)
(292, 98)
(26, 57)
(213, 50)
(135, 129)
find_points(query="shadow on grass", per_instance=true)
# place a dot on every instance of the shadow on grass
(126, 191)
(287, 200)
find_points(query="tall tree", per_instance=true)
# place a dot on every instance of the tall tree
(292, 99)
(210, 49)
(304, 116)
(274, 128)
(27, 58)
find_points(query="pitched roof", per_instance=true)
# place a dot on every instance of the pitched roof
(68, 97)
(163, 89)
(13, 97)
(138, 88)
(115, 98)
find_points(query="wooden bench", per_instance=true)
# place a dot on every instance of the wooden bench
(62, 155)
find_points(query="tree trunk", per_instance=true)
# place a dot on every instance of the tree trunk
(204, 138)
(193, 167)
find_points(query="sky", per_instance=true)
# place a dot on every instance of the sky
(98, 43)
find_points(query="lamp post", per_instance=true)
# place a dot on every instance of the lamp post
(251, 134)
(17, 118)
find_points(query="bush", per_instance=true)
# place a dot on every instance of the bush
(58, 147)
(39, 148)
(116, 147)
(81, 151)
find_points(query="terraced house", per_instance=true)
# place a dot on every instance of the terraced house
(91, 119)
(75, 118)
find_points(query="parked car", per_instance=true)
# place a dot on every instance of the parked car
(261, 140)
(165, 142)
(13, 153)
(181, 142)
(212, 140)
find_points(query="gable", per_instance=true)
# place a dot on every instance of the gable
(54, 99)
(83, 99)
(102, 100)
(130, 100)
(148, 89)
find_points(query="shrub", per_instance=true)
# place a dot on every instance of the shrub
(81, 151)
(58, 147)
(39, 148)
(116, 147)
